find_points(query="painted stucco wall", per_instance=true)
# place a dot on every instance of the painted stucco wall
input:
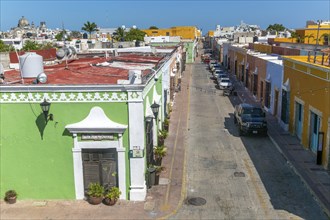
(263, 48)
(310, 84)
(36, 158)
(189, 52)
(276, 76)
(252, 66)
(241, 58)
(261, 64)
(185, 32)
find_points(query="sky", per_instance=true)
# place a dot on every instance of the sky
(163, 14)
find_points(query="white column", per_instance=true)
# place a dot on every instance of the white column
(78, 169)
(138, 188)
(121, 167)
(154, 131)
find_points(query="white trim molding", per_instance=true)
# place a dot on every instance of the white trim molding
(97, 122)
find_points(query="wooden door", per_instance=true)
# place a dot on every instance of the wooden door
(100, 165)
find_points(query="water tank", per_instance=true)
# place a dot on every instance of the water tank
(31, 65)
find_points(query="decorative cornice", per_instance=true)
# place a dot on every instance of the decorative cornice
(37, 97)
(96, 122)
(135, 96)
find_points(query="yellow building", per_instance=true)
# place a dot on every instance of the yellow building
(311, 33)
(210, 33)
(306, 103)
(185, 32)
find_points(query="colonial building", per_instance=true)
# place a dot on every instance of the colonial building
(306, 103)
(295, 89)
(189, 36)
(100, 126)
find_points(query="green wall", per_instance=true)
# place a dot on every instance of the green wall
(36, 159)
(189, 48)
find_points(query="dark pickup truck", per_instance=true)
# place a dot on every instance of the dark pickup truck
(250, 119)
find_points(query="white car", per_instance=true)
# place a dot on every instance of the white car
(225, 83)
(218, 72)
(221, 76)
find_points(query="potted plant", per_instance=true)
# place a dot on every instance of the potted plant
(11, 196)
(159, 153)
(166, 124)
(161, 136)
(159, 169)
(112, 196)
(95, 193)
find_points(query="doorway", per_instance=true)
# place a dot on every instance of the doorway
(276, 102)
(247, 78)
(298, 120)
(314, 128)
(99, 166)
(149, 142)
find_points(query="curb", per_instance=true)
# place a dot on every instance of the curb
(323, 207)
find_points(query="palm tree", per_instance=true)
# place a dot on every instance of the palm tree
(120, 34)
(325, 37)
(309, 36)
(294, 35)
(90, 28)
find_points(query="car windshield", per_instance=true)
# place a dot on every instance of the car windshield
(254, 112)
(225, 80)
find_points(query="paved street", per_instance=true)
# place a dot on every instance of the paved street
(211, 172)
(239, 178)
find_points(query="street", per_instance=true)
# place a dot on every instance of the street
(232, 177)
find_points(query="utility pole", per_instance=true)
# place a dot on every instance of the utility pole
(317, 38)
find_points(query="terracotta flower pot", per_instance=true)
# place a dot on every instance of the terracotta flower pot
(95, 200)
(109, 202)
(11, 200)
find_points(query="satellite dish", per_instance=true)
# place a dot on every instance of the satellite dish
(42, 78)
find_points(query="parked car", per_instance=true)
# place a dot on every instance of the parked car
(220, 76)
(215, 67)
(212, 63)
(206, 60)
(225, 83)
(218, 72)
(250, 119)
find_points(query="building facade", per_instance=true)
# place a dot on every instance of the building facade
(307, 104)
(97, 131)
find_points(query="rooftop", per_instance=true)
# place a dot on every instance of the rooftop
(90, 71)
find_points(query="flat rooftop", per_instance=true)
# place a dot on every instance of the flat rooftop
(90, 71)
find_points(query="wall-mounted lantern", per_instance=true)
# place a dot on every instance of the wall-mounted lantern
(155, 109)
(45, 106)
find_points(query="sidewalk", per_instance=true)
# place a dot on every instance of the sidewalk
(162, 200)
(302, 160)
(169, 195)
